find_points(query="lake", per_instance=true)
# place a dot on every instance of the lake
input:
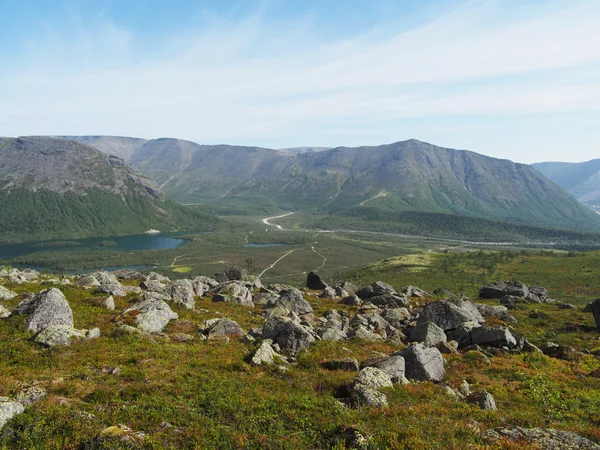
(118, 243)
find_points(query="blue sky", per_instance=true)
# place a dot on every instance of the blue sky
(506, 78)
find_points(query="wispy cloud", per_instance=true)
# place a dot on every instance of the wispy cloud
(256, 80)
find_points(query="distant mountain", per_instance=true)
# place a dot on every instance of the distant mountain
(54, 188)
(580, 179)
(120, 146)
(295, 150)
(403, 176)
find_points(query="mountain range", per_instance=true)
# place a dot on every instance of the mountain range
(580, 179)
(403, 176)
(53, 188)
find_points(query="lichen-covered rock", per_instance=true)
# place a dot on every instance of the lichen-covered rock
(293, 300)
(500, 289)
(329, 292)
(423, 363)
(87, 281)
(493, 337)
(151, 316)
(234, 273)
(501, 312)
(233, 292)
(116, 290)
(413, 291)
(222, 327)
(8, 410)
(389, 300)
(351, 300)
(449, 315)
(4, 312)
(483, 399)
(394, 366)
(47, 308)
(537, 294)
(6, 294)
(364, 389)
(290, 335)
(428, 333)
(55, 335)
(545, 439)
(264, 354)
(181, 292)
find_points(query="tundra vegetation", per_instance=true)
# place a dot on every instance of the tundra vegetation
(230, 362)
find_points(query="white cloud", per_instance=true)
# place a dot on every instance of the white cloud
(255, 80)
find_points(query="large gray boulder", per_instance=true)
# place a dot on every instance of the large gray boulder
(537, 294)
(264, 354)
(375, 289)
(87, 281)
(493, 337)
(59, 335)
(181, 292)
(46, 308)
(290, 335)
(389, 300)
(234, 273)
(293, 300)
(546, 439)
(428, 333)
(116, 290)
(594, 308)
(151, 316)
(222, 327)
(6, 294)
(8, 410)
(449, 315)
(233, 292)
(152, 285)
(501, 312)
(364, 389)
(314, 282)
(502, 288)
(423, 363)
(394, 366)
(105, 277)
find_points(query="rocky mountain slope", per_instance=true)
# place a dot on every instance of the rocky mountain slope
(404, 176)
(580, 179)
(59, 188)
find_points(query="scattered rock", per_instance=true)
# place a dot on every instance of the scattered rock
(290, 335)
(501, 312)
(449, 315)
(500, 289)
(87, 281)
(264, 354)
(6, 294)
(233, 292)
(119, 433)
(364, 389)
(493, 337)
(222, 327)
(314, 282)
(423, 363)
(428, 333)
(8, 410)
(151, 316)
(182, 292)
(377, 288)
(108, 303)
(413, 291)
(31, 395)
(116, 290)
(59, 335)
(47, 308)
(483, 399)
(594, 308)
(546, 439)
(234, 273)
(537, 294)
(4, 313)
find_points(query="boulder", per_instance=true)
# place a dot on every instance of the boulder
(500, 289)
(413, 291)
(423, 363)
(364, 389)
(377, 288)
(594, 308)
(351, 300)
(87, 281)
(329, 292)
(233, 292)
(264, 354)
(443, 292)
(511, 302)
(373, 378)
(501, 312)
(153, 286)
(462, 334)
(6, 294)
(448, 315)
(47, 308)
(210, 282)
(151, 316)
(483, 399)
(105, 277)
(116, 290)
(537, 294)
(427, 333)
(493, 337)
(389, 300)
(8, 410)
(290, 335)
(181, 292)
(4, 313)
(314, 282)
(234, 273)
(222, 327)
(540, 438)
(55, 335)
(396, 317)
(108, 303)
(293, 300)
(364, 334)
(394, 366)
(153, 276)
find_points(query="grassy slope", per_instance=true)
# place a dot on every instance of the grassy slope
(30, 215)
(217, 400)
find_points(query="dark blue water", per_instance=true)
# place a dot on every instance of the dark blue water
(117, 243)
